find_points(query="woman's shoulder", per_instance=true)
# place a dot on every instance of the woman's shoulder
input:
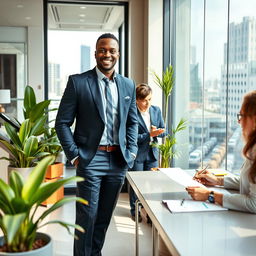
(155, 108)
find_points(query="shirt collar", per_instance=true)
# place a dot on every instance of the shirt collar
(101, 75)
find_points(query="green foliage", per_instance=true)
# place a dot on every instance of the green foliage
(166, 84)
(51, 142)
(166, 149)
(25, 146)
(20, 201)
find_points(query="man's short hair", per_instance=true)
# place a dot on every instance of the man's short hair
(107, 35)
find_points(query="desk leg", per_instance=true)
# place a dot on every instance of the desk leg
(137, 210)
(155, 241)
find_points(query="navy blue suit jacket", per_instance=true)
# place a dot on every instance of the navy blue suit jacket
(82, 101)
(144, 136)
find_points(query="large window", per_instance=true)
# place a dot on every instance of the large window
(215, 60)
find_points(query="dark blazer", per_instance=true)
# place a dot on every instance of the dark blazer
(144, 136)
(82, 101)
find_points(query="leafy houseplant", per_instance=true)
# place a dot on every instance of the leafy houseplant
(20, 201)
(166, 149)
(24, 145)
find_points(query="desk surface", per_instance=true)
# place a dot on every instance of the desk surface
(199, 233)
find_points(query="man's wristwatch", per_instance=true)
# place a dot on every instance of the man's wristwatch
(211, 197)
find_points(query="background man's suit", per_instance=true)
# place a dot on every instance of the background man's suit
(104, 172)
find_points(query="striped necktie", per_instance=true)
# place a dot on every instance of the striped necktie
(109, 112)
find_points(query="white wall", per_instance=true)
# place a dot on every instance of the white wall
(146, 45)
(36, 61)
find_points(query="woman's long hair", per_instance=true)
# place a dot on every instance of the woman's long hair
(249, 150)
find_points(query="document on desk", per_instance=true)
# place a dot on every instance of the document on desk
(181, 177)
(190, 205)
(186, 180)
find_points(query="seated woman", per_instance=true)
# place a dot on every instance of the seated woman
(245, 200)
(151, 125)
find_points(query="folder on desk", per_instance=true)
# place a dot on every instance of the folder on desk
(188, 205)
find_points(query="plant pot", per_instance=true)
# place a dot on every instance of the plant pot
(56, 196)
(54, 171)
(23, 171)
(43, 251)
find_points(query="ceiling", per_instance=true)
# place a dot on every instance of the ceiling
(61, 16)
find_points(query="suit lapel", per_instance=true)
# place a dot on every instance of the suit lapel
(120, 90)
(94, 86)
(152, 116)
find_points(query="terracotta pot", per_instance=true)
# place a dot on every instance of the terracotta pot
(54, 170)
(56, 196)
(43, 251)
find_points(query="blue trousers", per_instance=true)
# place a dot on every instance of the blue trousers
(140, 166)
(104, 177)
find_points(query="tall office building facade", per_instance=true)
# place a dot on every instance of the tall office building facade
(85, 58)
(54, 80)
(241, 75)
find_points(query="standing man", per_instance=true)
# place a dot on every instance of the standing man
(104, 143)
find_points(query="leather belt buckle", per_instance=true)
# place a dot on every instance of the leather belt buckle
(108, 148)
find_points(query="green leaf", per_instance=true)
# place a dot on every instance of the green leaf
(36, 178)
(66, 225)
(29, 99)
(7, 194)
(38, 126)
(38, 110)
(48, 188)
(24, 131)
(10, 148)
(31, 146)
(16, 182)
(11, 131)
(61, 203)
(12, 223)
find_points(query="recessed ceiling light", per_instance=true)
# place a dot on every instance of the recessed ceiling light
(28, 18)
(19, 5)
(81, 15)
(82, 7)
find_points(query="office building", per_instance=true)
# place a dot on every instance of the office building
(85, 58)
(241, 68)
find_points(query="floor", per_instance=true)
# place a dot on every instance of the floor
(120, 239)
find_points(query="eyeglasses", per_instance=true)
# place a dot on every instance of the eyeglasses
(239, 116)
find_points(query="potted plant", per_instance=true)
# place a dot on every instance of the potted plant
(23, 145)
(167, 148)
(19, 205)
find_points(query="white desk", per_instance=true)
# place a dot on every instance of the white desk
(202, 233)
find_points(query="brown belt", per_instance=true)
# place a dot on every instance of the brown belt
(109, 148)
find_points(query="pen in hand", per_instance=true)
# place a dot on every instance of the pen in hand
(204, 170)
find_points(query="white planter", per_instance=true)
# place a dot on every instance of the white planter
(43, 251)
(23, 171)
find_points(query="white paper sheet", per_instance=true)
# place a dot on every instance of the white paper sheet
(181, 177)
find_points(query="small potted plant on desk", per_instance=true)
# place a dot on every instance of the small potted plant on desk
(167, 148)
(20, 217)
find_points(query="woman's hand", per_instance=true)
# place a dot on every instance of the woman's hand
(154, 132)
(208, 178)
(198, 193)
